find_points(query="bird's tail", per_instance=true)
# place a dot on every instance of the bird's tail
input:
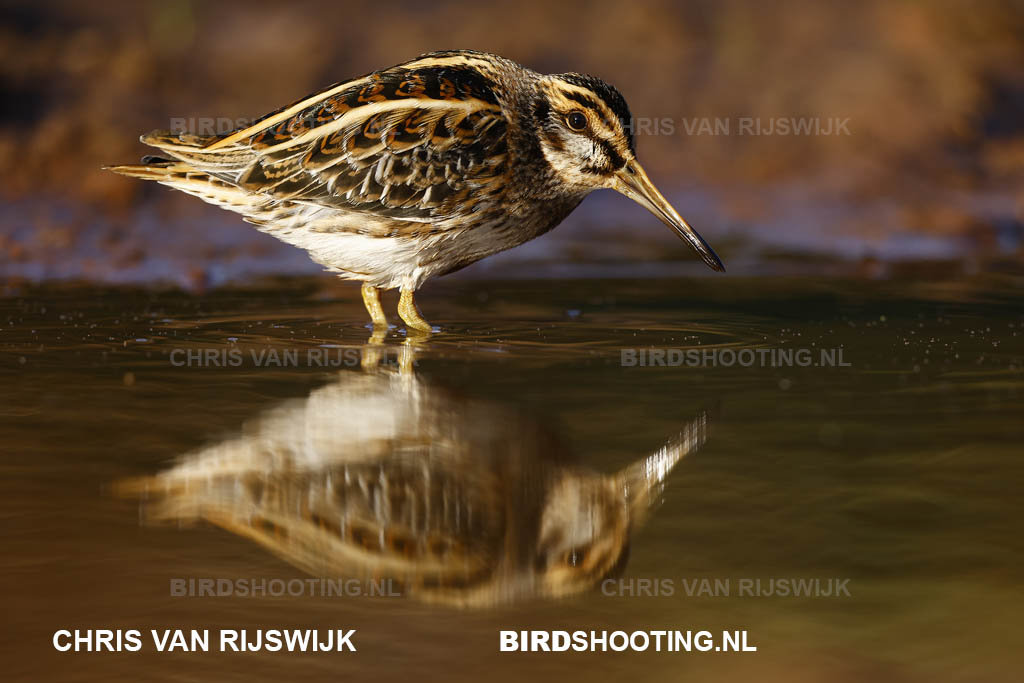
(199, 166)
(153, 168)
(183, 176)
(225, 162)
(187, 164)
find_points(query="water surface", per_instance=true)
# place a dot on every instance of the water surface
(895, 468)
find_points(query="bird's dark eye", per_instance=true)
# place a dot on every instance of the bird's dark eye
(575, 557)
(577, 120)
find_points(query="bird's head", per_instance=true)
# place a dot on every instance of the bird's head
(584, 534)
(585, 134)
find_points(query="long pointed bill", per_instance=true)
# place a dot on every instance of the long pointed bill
(633, 182)
(645, 479)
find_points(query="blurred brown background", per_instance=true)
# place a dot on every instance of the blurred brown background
(932, 92)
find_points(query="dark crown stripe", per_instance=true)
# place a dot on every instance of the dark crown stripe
(611, 97)
(541, 109)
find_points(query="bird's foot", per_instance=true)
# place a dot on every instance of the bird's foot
(408, 312)
(371, 299)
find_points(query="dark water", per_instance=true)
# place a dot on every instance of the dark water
(891, 466)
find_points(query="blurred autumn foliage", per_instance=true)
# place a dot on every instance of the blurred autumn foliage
(933, 91)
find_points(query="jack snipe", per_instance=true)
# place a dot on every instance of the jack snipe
(420, 169)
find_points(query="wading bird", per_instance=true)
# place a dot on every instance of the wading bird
(420, 169)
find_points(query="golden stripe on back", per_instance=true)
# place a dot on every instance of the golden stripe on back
(430, 81)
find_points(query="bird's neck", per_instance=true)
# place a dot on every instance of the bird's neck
(531, 175)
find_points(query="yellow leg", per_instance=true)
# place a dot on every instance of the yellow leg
(371, 299)
(410, 314)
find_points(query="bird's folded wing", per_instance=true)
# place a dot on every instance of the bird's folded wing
(418, 142)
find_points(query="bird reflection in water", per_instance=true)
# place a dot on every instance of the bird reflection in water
(454, 500)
